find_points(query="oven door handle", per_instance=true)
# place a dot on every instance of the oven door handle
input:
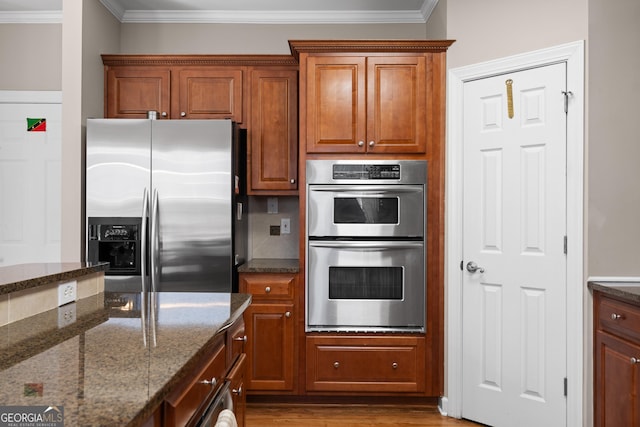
(359, 244)
(368, 188)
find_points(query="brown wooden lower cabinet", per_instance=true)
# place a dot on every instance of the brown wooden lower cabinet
(366, 363)
(270, 324)
(616, 362)
(236, 377)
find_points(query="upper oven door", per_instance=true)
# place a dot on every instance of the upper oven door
(365, 211)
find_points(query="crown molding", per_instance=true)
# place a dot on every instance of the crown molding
(32, 17)
(202, 60)
(329, 46)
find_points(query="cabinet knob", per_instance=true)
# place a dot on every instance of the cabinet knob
(634, 360)
(336, 365)
(211, 382)
(267, 289)
(394, 365)
(242, 338)
(371, 143)
(183, 114)
(293, 181)
(164, 114)
(360, 143)
(287, 314)
(237, 391)
(615, 316)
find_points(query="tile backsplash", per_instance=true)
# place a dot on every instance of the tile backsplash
(261, 243)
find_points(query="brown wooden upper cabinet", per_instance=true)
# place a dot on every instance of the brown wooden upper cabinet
(273, 131)
(130, 92)
(209, 93)
(367, 96)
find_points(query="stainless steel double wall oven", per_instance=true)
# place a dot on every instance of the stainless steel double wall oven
(365, 245)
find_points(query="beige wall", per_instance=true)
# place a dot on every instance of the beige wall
(248, 39)
(493, 29)
(613, 225)
(30, 56)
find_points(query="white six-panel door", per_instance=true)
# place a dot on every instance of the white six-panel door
(30, 218)
(514, 223)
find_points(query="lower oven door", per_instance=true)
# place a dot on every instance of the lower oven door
(366, 286)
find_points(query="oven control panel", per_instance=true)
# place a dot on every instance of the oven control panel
(366, 171)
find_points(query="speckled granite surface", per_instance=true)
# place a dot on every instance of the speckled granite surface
(628, 291)
(24, 276)
(110, 368)
(268, 265)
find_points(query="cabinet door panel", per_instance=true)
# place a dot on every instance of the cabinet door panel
(132, 92)
(396, 107)
(236, 377)
(211, 94)
(270, 353)
(617, 382)
(274, 129)
(336, 101)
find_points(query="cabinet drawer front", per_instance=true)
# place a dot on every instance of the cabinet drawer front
(187, 399)
(385, 364)
(619, 317)
(268, 286)
(236, 339)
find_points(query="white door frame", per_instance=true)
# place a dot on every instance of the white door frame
(573, 55)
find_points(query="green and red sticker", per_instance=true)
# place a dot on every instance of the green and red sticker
(36, 125)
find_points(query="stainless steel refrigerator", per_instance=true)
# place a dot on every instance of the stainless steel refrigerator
(165, 203)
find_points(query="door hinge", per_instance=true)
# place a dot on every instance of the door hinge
(567, 94)
(565, 386)
(565, 245)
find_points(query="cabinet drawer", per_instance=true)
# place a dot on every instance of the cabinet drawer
(236, 339)
(268, 286)
(374, 364)
(618, 317)
(187, 399)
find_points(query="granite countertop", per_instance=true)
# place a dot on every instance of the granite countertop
(24, 276)
(627, 291)
(111, 367)
(269, 265)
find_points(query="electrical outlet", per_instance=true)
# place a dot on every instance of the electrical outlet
(67, 292)
(272, 205)
(285, 225)
(274, 230)
(66, 315)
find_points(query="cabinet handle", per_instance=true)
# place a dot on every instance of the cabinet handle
(212, 383)
(336, 365)
(242, 338)
(371, 143)
(287, 314)
(237, 392)
(615, 316)
(267, 289)
(183, 114)
(634, 360)
(394, 365)
(293, 181)
(360, 143)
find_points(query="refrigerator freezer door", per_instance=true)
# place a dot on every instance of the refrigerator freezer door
(192, 180)
(118, 166)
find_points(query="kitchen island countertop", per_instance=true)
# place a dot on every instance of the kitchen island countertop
(19, 277)
(109, 367)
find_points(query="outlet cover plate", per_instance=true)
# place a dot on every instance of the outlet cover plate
(67, 292)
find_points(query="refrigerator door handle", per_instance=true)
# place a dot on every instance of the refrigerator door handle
(143, 270)
(154, 241)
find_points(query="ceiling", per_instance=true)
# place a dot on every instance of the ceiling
(233, 11)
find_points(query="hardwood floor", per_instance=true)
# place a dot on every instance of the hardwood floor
(333, 415)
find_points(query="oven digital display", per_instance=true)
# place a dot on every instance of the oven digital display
(359, 171)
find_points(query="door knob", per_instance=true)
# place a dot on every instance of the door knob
(472, 267)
